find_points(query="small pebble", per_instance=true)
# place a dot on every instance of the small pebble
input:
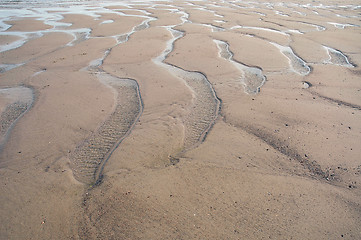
(306, 85)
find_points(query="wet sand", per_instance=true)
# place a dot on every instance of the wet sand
(180, 120)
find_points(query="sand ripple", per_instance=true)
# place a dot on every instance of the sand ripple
(90, 156)
(19, 101)
(205, 104)
(204, 110)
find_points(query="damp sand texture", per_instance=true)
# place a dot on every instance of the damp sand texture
(180, 120)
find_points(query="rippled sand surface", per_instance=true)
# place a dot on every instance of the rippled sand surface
(180, 119)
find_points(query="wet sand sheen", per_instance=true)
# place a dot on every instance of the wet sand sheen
(296, 63)
(337, 58)
(252, 78)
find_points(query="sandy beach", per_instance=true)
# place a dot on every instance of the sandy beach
(180, 119)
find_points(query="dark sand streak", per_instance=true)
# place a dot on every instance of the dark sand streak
(337, 101)
(277, 144)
